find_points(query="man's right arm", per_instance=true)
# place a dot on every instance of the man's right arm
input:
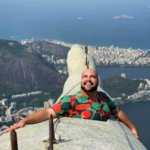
(34, 118)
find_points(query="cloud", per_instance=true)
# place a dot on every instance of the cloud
(123, 17)
(149, 6)
(79, 18)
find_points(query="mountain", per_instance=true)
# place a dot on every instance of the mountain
(116, 86)
(49, 48)
(22, 65)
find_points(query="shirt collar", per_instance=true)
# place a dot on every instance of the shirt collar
(85, 95)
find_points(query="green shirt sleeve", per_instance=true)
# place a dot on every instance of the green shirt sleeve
(62, 108)
(112, 106)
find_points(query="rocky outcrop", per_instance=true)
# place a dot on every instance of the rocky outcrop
(76, 134)
(57, 50)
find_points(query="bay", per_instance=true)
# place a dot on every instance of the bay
(77, 21)
(139, 114)
(131, 72)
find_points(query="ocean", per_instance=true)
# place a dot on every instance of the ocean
(131, 72)
(83, 22)
(138, 113)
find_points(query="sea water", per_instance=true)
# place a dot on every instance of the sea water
(83, 22)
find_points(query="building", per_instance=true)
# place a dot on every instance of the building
(18, 95)
(58, 62)
(111, 48)
(46, 57)
(34, 93)
(8, 118)
(141, 86)
(4, 102)
(62, 61)
(123, 75)
(46, 105)
(53, 58)
(24, 41)
(51, 102)
(17, 118)
(38, 109)
(2, 119)
(13, 105)
(32, 40)
(30, 113)
(8, 112)
(65, 72)
(60, 71)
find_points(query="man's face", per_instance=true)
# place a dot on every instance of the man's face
(89, 81)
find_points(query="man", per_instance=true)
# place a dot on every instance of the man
(85, 104)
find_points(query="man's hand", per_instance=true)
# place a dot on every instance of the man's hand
(16, 126)
(134, 131)
(34, 118)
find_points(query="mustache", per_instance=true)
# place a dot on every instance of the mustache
(88, 81)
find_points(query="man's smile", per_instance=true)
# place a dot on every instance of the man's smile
(88, 83)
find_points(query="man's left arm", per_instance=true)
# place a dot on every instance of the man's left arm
(124, 118)
(115, 111)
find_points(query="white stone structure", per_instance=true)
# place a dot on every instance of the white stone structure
(76, 65)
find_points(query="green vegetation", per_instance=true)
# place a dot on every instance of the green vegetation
(32, 101)
(13, 47)
(116, 86)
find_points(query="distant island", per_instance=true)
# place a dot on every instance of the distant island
(123, 17)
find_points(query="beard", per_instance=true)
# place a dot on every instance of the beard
(94, 88)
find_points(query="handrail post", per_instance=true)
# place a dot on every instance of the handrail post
(13, 137)
(51, 133)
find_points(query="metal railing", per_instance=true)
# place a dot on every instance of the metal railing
(51, 133)
(13, 136)
(86, 61)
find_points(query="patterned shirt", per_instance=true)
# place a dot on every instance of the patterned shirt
(82, 106)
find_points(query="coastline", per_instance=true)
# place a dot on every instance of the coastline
(133, 101)
(122, 48)
(122, 66)
(70, 43)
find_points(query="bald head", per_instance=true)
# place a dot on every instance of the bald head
(91, 71)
